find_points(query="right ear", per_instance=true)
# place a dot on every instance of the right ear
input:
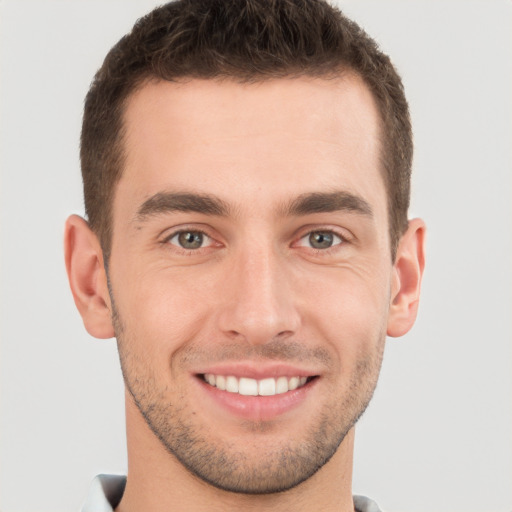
(87, 277)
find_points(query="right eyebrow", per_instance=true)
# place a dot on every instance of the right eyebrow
(165, 202)
(320, 202)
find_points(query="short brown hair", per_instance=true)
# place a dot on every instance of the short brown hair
(248, 41)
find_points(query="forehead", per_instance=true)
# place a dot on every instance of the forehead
(278, 138)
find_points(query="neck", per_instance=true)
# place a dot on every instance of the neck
(158, 482)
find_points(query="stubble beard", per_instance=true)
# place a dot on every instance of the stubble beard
(222, 464)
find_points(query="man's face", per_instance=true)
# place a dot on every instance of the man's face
(251, 252)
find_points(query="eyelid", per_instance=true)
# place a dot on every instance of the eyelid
(169, 232)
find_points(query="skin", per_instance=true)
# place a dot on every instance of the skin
(255, 292)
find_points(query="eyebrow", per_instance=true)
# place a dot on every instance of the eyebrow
(166, 202)
(305, 204)
(321, 202)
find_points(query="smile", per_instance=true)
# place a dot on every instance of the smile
(253, 387)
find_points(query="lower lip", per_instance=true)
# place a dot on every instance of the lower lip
(258, 408)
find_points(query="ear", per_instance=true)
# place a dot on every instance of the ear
(87, 277)
(408, 271)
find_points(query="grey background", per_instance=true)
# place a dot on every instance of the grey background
(438, 434)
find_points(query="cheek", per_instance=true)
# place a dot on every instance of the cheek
(350, 310)
(163, 310)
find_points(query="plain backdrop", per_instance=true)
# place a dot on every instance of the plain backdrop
(437, 436)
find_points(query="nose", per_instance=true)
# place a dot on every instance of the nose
(259, 303)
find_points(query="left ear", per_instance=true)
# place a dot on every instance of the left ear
(408, 271)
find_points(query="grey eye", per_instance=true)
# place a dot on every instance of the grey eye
(189, 239)
(321, 239)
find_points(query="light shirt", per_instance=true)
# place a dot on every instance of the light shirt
(107, 490)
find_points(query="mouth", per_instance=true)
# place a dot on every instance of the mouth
(257, 392)
(246, 386)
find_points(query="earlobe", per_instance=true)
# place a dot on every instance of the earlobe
(408, 272)
(87, 277)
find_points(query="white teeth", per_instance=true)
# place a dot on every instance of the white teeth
(220, 382)
(293, 383)
(253, 387)
(248, 387)
(267, 387)
(231, 384)
(281, 385)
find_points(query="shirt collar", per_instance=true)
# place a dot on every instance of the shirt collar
(106, 492)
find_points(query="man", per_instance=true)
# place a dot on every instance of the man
(246, 172)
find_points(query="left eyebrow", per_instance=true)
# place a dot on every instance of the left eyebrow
(166, 202)
(321, 202)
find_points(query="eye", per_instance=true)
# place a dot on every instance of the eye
(320, 240)
(190, 240)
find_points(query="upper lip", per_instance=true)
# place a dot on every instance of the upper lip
(258, 371)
